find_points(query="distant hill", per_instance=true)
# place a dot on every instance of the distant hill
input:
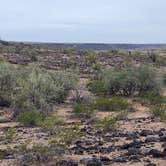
(96, 46)
(89, 46)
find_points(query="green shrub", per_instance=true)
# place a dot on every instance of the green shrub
(148, 80)
(91, 56)
(96, 70)
(39, 89)
(10, 134)
(51, 121)
(7, 84)
(83, 96)
(65, 136)
(38, 153)
(103, 104)
(164, 79)
(2, 59)
(83, 110)
(67, 78)
(97, 87)
(120, 82)
(108, 123)
(127, 82)
(111, 104)
(160, 111)
(123, 115)
(91, 59)
(152, 98)
(30, 118)
(69, 51)
(160, 60)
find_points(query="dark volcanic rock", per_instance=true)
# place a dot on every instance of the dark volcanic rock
(91, 161)
(105, 160)
(135, 158)
(146, 133)
(107, 150)
(121, 159)
(77, 150)
(156, 153)
(6, 154)
(152, 139)
(150, 164)
(133, 151)
(163, 138)
(68, 163)
(135, 144)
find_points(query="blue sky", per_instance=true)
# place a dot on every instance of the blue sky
(103, 21)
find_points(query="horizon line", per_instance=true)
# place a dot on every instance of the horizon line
(105, 43)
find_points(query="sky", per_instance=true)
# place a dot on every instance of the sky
(83, 21)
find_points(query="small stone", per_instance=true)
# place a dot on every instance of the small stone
(146, 133)
(163, 138)
(150, 164)
(133, 151)
(135, 158)
(105, 160)
(156, 153)
(152, 139)
(120, 159)
(91, 161)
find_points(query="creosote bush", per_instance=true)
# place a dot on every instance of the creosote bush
(49, 121)
(164, 78)
(33, 88)
(40, 89)
(108, 123)
(30, 118)
(65, 136)
(91, 56)
(9, 135)
(111, 104)
(97, 87)
(81, 95)
(127, 82)
(7, 84)
(151, 98)
(82, 110)
(159, 111)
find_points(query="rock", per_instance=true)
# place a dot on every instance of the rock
(156, 153)
(20, 130)
(67, 163)
(135, 143)
(77, 150)
(2, 138)
(133, 151)
(150, 164)
(164, 152)
(107, 150)
(164, 145)
(163, 138)
(72, 163)
(135, 158)
(144, 151)
(91, 161)
(152, 139)
(9, 157)
(132, 135)
(121, 159)
(7, 154)
(105, 160)
(56, 150)
(160, 134)
(146, 133)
